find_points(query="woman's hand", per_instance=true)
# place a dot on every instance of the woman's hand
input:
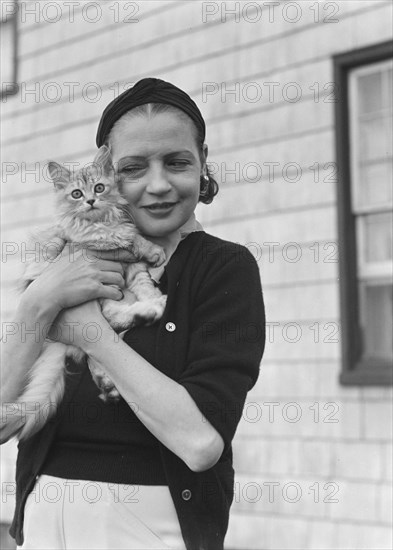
(71, 279)
(75, 277)
(79, 325)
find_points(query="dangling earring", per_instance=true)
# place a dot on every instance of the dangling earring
(204, 186)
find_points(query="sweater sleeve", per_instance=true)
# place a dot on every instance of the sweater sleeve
(227, 338)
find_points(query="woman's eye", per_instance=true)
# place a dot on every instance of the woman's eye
(179, 163)
(99, 188)
(76, 194)
(130, 172)
(131, 169)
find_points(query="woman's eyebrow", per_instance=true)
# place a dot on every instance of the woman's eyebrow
(182, 152)
(128, 158)
(140, 158)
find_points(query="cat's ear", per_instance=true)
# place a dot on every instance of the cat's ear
(104, 159)
(60, 174)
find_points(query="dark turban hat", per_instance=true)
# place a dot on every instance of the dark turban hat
(148, 90)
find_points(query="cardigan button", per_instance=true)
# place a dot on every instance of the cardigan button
(170, 327)
(186, 494)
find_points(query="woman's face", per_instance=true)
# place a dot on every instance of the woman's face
(159, 167)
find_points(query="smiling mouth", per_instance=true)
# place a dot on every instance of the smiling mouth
(160, 206)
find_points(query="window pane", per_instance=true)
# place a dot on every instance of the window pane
(377, 323)
(371, 197)
(374, 140)
(378, 237)
(376, 183)
(370, 92)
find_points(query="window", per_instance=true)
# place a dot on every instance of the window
(8, 48)
(364, 157)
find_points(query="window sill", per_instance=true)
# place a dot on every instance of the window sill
(368, 373)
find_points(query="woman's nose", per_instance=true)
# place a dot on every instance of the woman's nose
(157, 181)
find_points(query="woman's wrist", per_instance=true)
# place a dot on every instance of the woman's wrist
(93, 337)
(34, 305)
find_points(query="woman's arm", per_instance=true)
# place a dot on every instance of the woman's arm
(190, 415)
(69, 281)
(22, 342)
(163, 405)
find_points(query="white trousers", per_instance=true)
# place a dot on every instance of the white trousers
(91, 515)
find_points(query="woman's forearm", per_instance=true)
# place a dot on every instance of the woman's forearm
(66, 283)
(164, 406)
(22, 342)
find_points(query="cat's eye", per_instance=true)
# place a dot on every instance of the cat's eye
(99, 188)
(76, 194)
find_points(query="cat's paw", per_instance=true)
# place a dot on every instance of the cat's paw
(111, 396)
(139, 313)
(110, 309)
(104, 383)
(150, 311)
(76, 354)
(155, 256)
(121, 319)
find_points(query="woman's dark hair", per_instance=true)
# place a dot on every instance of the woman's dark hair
(208, 188)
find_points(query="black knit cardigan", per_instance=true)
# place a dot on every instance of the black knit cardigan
(211, 340)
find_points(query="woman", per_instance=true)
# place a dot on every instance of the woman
(154, 470)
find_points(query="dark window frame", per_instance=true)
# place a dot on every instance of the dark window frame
(13, 20)
(355, 372)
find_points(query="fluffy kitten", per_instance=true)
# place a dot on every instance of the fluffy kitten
(91, 213)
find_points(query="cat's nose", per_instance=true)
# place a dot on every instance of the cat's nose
(91, 202)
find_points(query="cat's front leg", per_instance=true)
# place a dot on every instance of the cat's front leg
(143, 302)
(151, 303)
(145, 250)
(117, 313)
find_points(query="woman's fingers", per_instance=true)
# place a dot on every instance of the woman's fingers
(112, 278)
(118, 255)
(76, 279)
(108, 265)
(111, 292)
